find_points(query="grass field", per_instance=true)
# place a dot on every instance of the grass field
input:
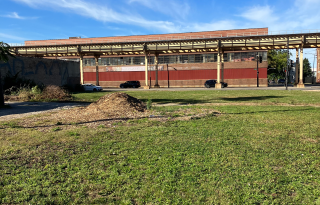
(264, 148)
(214, 96)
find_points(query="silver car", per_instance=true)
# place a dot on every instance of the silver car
(91, 87)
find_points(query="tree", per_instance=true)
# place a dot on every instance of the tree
(307, 72)
(4, 56)
(277, 63)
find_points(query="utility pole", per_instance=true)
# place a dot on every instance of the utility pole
(259, 59)
(168, 75)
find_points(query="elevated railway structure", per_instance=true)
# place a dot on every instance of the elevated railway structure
(198, 44)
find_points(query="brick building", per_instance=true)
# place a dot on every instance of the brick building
(176, 69)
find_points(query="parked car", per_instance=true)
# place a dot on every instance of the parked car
(281, 81)
(130, 84)
(91, 87)
(212, 83)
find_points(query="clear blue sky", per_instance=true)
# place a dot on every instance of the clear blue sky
(57, 19)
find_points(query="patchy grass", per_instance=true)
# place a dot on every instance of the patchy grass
(248, 154)
(292, 97)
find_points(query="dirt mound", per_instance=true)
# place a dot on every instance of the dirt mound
(117, 103)
(55, 92)
(107, 110)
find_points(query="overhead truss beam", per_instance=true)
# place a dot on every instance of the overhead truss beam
(173, 46)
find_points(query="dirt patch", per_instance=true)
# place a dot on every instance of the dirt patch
(310, 140)
(108, 109)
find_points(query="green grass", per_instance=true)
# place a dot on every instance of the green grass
(216, 96)
(248, 155)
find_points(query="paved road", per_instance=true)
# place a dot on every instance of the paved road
(22, 109)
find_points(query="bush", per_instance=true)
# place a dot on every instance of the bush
(13, 83)
(51, 92)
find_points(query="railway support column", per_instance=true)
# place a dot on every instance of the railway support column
(146, 71)
(96, 57)
(218, 84)
(81, 69)
(297, 68)
(301, 85)
(157, 66)
(222, 66)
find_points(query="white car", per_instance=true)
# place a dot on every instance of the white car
(91, 87)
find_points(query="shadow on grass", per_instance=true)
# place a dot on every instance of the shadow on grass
(212, 100)
(269, 111)
(250, 98)
(177, 101)
(92, 121)
(29, 107)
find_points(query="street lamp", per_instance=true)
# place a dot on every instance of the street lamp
(168, 74)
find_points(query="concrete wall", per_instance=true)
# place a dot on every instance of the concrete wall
(46, 71)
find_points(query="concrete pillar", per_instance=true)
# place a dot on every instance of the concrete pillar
(157, 66)
(301, 85)
(218, 84)
(81, 69)
(96, 57)
(222, 66)
(146, 71)
(297, 67)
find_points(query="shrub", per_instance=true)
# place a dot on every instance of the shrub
(51, 92)
(12, 83)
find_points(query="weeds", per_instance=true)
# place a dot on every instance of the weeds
(49, 93)
(71, 133)
(149, 104)
(12, 124)
(56, 129)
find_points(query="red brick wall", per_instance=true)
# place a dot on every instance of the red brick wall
(236, 74)
(205, 34)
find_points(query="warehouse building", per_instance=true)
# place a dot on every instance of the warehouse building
(187, 69)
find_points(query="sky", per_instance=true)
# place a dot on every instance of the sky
(60, 19)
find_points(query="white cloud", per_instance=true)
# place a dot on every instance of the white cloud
(15, 15)
(168, 7)
(263, 14)
(6, 37)
(220, 25)
(101, 13)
